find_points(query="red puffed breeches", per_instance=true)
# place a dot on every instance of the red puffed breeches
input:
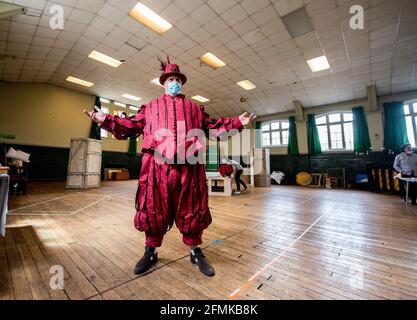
(168, 193)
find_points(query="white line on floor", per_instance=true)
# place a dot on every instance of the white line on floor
(307, 200)
(90, 205)
(244, 286)
(55, 213)
(46, 201)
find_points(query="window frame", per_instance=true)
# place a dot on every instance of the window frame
(104, 133)
(270, 131)
(413, 115)
(342, 123)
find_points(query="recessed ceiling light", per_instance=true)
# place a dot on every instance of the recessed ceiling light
(10, 9)
(200, 99)
(32, 12)
(104, 100)
(80, 82)
(318, 64)
(156, 81)
(101, 57)
(130, 97)
(133, 108)
(149, 18)
(246, 84)
(212, 61)
(119, 104)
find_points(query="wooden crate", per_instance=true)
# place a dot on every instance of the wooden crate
(84, 165)
(122, 175)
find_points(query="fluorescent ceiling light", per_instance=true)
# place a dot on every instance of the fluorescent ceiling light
(149, 18)
(156, 81)
(80, 82)
(32, 12)
(130, 97)
(200, 99)
(133, 108)
(104, 100)
(246, 84)
(212, 60)
(119, 104)
(318, 64)
(101, 57)
(10, 9)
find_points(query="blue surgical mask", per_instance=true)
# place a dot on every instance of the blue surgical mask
(174, 88)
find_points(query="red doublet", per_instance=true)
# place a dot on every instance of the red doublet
(170, 192)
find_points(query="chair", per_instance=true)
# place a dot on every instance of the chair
(19, 176)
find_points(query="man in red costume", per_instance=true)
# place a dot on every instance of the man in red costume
(172, 184)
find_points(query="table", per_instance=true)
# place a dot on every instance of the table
(4, 195)
(214, 177)
(408, 181)
(4, 170)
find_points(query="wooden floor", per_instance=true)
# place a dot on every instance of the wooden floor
(276, 243)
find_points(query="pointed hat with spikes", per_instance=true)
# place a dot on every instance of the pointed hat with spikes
(169, 69)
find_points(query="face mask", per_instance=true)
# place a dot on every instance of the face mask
(174, 88)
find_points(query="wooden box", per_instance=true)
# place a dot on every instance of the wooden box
(84, 165)
(4, 170)
(122, 175)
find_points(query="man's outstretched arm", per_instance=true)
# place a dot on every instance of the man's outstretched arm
(224, 126)
(121, 128)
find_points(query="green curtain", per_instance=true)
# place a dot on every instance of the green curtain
(133, 144)
(314, 146)
(95, 128)
(258, 135)
(361, 141)
(395, 130)
(292, 138)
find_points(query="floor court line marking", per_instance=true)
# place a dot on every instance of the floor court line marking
(68, 214)
(36, 213)
(46, 201)
(251, 279)
(90, 205)
(307, 200)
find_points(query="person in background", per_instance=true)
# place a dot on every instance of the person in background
(237, 173)
(406, 165)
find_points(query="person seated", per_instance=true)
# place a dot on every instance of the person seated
(406, 165)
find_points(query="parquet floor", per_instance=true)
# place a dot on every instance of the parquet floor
(270, 243)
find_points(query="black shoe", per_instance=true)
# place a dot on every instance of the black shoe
(199, 259)
(147, 261)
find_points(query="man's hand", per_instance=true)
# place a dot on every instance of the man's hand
(247, 118)
(97, 116)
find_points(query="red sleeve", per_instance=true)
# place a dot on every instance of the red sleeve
(221, 127)
(126, 128)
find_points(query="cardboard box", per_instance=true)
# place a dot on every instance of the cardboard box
(122, 175)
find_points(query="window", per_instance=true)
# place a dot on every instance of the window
(275, 134)
(336, 131)
(410, 111)
(104, 133)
